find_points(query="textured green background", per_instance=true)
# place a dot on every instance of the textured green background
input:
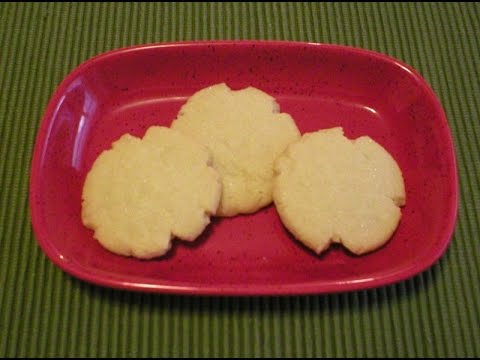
(45, 312)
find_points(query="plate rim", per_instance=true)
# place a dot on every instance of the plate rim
(304, 288)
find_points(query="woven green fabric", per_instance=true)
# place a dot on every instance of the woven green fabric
(45, 312)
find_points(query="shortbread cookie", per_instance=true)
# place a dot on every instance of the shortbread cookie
(245, 132)
(332, 189)
(141, 193)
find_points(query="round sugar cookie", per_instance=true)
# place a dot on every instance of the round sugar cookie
(245, 132)
(329, 188)
(141, 193)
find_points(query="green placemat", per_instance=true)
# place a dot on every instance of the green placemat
(45, 312)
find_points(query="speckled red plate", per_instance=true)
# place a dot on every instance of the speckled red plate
(321, 86)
